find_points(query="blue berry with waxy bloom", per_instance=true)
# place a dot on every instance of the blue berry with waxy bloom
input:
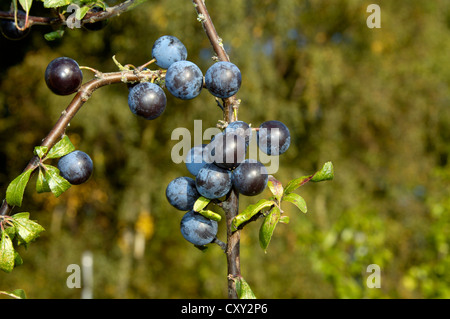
(213, 182)
(182, 193)
(184, 80)
(195, 159)
(167, 50)
(223, 79)
(198, 229)
(76, 167)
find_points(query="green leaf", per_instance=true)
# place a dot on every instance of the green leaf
(297, 200)
(41, 183)
(18, 294)
(26, 229)
(210, 215)
(201, 203)
(268, 226)
(6, 253)
(56, 182)
(26, 5)
(63, 147)
(54, 35)
(15, 190)
(325, 174)
(243, 289)
(56, 3)
(296, 183)
(284, 219)
(40, 151)
(275, 187)
(79, 14)
(249, 212)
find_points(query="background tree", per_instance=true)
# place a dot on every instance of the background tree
(372, 100)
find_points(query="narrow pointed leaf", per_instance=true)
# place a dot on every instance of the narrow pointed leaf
(268, 226)
(56, 182)
(26, 229)
(296, 183)
(243, 289)
(6, 253)
(63, 147)
(201, 203)
(41, 183)
(275, 187)
(325, 174)
(250, 211)
(15, 190)
(18, 294)
(210, 215)
(297, 200)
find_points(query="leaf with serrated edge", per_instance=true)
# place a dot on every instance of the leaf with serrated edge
(275, 187)
(56, 182)
(41, 183)
(15, 190)
(6, 253)
(268, 226)
(210, 215)
(243, 289)
(325, 174)
(250, 211)
(201, 203)
(63, 147)
(297, 200)
(26, 229)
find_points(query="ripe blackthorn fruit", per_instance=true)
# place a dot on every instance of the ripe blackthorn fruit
(63, 76)
(227, 150)
(184, 80)
(182, 193)
(240, 128)
(273, 137)
(213, 181)
(195, 159)
(198, 229)
(223, 79)
(10, 31)
(250, 178)
(147, 100)
(96, 26)
(167, 50)
(76, 167)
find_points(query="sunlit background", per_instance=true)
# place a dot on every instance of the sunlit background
(373, 101)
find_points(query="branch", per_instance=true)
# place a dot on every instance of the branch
(83, 94)
(232, 103)
(90, 17)
(231, 204)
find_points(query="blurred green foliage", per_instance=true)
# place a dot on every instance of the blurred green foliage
(372, 101)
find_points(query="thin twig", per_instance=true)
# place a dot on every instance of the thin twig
(83, 94)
